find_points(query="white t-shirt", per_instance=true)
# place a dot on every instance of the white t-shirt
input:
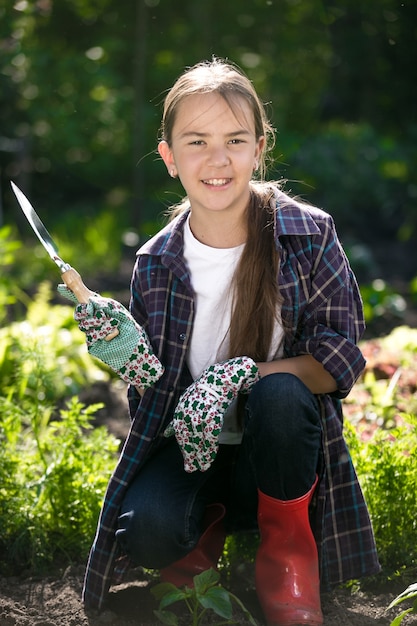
(211, 271)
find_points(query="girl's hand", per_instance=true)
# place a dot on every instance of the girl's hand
(129, 353)
(198, 418)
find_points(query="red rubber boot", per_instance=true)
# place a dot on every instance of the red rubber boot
(206, 553)
(286, 568)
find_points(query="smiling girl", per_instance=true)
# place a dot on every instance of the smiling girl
(250, 305)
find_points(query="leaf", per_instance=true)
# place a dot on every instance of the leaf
(174, 596)
(167, 617)
(205, 580)
(410, 592)
(217, 599)
(161, 589)
(397, 621)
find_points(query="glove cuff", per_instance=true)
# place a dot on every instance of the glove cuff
(65, 292)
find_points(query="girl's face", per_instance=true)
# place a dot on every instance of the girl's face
(214, 151)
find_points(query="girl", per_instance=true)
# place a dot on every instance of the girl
(247, 304)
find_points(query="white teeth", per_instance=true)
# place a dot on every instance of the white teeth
(217, 182)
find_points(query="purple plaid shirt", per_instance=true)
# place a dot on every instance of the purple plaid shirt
(323, 309)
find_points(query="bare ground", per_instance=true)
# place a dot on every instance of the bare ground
(55, 601)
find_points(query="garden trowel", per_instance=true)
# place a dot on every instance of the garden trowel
(70, 276)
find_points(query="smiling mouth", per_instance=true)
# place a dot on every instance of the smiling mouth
(217, 182)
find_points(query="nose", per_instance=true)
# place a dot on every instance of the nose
(218, 156)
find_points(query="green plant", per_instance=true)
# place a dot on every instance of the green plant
(381, 431)
(54, 466)
(387, 459)
(9, 292)
(44, 356)
(207, 594)
(409, 594)
(52, 481)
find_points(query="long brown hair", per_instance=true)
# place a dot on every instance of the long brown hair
(255, 288)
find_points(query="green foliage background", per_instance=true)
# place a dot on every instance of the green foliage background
(81, 86)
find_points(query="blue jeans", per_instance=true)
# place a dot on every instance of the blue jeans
(280, 454)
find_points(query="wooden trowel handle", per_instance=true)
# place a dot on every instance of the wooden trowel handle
(73, 281)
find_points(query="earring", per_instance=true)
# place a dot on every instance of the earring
(172, 173)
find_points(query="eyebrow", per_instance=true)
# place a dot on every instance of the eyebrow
(192, 133)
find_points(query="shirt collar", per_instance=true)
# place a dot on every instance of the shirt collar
(292, 219)
(168, 244)
(167, 240)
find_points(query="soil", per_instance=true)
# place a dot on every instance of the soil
(55, 601)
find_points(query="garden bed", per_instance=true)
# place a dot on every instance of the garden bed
(55, 601)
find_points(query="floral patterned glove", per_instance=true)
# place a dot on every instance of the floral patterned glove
(129, 353)
(198, 417)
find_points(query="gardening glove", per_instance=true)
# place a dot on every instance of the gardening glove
(198, 417)
(129, 353)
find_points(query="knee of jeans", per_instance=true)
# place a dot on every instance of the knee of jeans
(141, 539)
(280, 387)
(279, 402)
(150, 542)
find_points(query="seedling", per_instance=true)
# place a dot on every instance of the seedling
(409, 594)
(207, 594)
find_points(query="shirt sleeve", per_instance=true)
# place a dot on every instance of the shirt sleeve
(332, 322)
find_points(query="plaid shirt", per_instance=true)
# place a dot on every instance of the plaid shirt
(323, 309)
